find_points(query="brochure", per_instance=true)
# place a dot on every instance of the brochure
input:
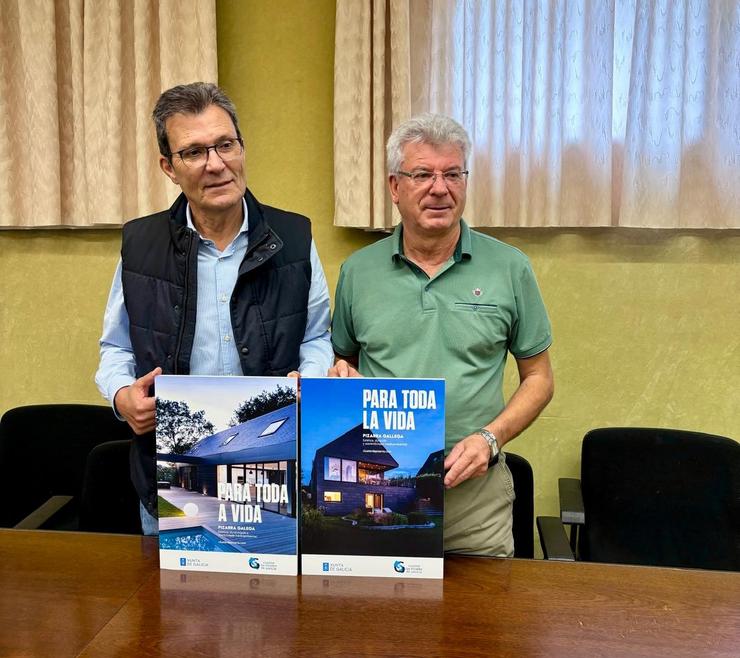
(372, 468)
(226, 473)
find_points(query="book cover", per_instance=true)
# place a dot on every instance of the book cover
(226, 473)
(372, 468)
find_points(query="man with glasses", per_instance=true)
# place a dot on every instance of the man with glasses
(436, 299)
(219, 284)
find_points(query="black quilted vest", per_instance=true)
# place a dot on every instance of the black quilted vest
(268, 306)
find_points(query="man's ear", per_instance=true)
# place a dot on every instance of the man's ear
(166, 166)
(393, 186)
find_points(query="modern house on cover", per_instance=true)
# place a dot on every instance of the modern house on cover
(372, 493)
(227, 499)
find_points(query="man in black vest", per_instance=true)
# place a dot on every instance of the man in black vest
(219, 284)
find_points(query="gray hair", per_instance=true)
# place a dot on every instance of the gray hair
(432, 129)
(192, 98)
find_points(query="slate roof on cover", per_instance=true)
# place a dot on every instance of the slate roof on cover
(351, 445)
(243, 444)
(433, 464)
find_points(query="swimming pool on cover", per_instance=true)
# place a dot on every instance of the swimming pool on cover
(197, 538)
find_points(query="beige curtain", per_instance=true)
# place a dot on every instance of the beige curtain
(371, 95)
(79, 81)
(620, 113)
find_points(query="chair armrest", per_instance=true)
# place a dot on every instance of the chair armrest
(571, 501)
(44, 513)
(553, 539)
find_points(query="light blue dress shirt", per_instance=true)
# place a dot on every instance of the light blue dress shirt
(214, 351)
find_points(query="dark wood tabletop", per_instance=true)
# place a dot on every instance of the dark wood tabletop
(70, 594)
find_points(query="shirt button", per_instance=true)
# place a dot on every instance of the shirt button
(224, 299)
(227, 338)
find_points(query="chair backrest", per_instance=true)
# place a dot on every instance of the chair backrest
(523, 513)
(44, 450)
(661, 497)
(109, 502)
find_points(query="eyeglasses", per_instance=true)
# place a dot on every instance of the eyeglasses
(423, 178)
(197, 156)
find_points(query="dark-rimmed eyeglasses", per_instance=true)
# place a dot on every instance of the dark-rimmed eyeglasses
(197, 156)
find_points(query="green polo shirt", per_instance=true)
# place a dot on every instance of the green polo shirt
(459, 325)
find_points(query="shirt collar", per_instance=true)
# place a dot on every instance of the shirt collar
(463, 248)
(244, 226)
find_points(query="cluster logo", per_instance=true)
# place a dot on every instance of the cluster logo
(254, 563)
(325, 566)
(183, 561)
(398, 566)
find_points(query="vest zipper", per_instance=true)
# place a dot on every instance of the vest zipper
(183, 313)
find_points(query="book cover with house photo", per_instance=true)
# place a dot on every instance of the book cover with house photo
(372, 493)
(226, 473)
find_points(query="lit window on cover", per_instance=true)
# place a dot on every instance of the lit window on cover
(332, 469)
(349, 470)
(332, 496)
(273, 427)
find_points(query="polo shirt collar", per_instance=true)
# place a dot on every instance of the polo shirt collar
(463, 248)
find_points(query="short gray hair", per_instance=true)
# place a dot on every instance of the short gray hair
(192, 98)
(432, 129)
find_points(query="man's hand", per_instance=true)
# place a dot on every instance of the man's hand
(343, 368)
(136, 405)
(297, 376)
(468, 459)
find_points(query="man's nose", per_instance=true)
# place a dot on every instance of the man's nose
(439, 185)
(213, 159)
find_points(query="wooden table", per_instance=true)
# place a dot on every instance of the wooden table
(70, 594)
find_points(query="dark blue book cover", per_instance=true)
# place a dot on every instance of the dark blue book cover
(372, 493)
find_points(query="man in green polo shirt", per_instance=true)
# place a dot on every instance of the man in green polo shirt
(437, 299)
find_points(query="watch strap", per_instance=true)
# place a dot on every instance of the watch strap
(490, 438)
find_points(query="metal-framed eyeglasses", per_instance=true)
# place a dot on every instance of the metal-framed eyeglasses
(197, 156)
(425, 178)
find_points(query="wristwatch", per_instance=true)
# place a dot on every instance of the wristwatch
(492, 443)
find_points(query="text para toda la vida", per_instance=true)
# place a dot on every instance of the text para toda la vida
(240, 494)
(383, 404)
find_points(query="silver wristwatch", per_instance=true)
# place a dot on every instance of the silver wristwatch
(491, 441)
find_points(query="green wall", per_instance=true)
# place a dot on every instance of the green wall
(646, 322)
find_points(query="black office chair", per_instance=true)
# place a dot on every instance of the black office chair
(523, 513)
(109, 502)
(651, 496)
(53, 457)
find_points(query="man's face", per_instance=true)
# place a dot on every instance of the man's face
(216, 185)
(431, 208)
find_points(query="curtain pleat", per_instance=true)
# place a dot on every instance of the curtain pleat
(78, 81)
(621, 113)
(371, 95)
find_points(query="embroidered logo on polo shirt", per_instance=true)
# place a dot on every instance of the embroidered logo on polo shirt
(477, 292)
